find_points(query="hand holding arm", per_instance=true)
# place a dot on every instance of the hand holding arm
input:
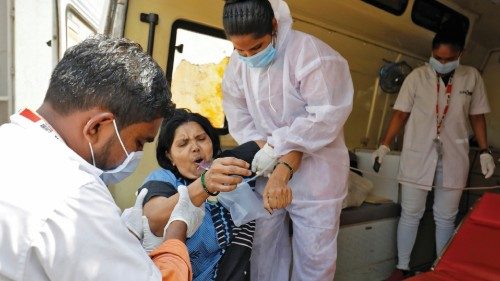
(133, 216)
(277, 194)
(264, 161)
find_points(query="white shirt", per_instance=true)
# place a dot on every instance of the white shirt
(58, 221)
(418, 96)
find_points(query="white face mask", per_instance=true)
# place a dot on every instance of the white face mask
(443, 68)
(125, 169)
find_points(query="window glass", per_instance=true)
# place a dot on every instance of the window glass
(396, 7)
(77, 29)
(432, 14)
(197, 59)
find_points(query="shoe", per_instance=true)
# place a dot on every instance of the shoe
(399, 274)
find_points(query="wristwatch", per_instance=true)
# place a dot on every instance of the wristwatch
(486, 150)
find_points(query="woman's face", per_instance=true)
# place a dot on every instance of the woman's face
(191, 145)
(247, 46)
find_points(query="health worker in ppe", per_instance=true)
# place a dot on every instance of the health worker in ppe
(435, 102)
(106, 99)
(292, 94)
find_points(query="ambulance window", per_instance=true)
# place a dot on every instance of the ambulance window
(197, 58)
(396, 7)
(431, 14)
(77, 29)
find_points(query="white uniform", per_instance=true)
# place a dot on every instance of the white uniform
(58, 220)
(418, 96)
(299, 103)
(419, 158)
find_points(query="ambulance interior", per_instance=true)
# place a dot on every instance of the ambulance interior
(188, 43)
(187, 40)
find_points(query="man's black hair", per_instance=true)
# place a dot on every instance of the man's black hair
(243, 17)
(114, 74)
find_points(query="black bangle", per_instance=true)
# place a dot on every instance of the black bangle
(483, 151)
(286, 165)
(205, 187)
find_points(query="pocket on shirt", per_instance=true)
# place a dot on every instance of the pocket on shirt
(411, 165)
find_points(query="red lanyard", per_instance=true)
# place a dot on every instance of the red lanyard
(439, 122)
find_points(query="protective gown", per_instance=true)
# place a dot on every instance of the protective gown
(298, 103)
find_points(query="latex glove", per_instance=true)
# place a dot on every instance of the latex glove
(133, 216)
(380, 153)
(264, 161)
(487, 165)
(150, 241)
(187, 212)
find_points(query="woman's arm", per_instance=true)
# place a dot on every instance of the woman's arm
(277, 194)
(223, 176)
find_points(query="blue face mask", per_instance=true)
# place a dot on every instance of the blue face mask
(443, 68)
(125, 169)
(262, 58)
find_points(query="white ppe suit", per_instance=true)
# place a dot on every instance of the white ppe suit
(300, 102)
(58, 220)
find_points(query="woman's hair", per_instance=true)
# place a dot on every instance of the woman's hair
(242, 17)
(167, 132)
(451, 33)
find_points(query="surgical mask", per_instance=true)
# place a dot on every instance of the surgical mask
(443, 68)
(262, 58)
(125, 169)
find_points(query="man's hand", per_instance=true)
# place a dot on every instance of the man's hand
(187, 212)
(150, 241)
(133, 216)
(487, 165)
(264, 161)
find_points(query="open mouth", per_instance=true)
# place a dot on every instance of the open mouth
(202, 164)
(198, 160)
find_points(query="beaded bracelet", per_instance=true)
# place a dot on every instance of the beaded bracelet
(205, 187)
(286, 165)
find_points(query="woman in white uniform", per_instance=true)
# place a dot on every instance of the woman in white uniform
(435, 102)
(292, 94)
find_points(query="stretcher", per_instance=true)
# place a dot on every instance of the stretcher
(473, 253)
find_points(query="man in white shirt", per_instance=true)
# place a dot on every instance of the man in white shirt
(58, 220)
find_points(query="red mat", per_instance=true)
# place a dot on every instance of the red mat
(474, 252)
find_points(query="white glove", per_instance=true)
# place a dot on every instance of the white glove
(487, 164)
(380, 153)
(187, 212)
(150, 241)
(264, 161)
(132, 217)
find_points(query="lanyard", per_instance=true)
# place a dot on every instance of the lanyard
(439, 121)
(38, 121)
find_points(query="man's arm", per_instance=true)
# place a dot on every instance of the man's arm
(171, 257)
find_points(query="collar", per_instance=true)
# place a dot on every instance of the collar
(29, 119)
